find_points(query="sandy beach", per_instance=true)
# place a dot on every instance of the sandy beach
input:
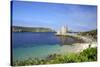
(89, 43)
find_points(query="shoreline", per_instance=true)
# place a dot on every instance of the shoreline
(89, 41)
(85, 46)
(78, 50)
(87, 55)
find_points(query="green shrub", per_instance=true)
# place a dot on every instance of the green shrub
(90, 53)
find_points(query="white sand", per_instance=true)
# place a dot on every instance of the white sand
(82, 46)
(89, 42)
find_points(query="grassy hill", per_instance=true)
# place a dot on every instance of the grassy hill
(30, 29)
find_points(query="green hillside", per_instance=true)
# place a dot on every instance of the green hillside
(87, 55)
(30, 29)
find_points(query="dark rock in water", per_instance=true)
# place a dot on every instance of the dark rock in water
(69, 40)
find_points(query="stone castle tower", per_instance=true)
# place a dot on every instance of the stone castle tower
(63, 30)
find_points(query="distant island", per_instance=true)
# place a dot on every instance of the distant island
(30, 29)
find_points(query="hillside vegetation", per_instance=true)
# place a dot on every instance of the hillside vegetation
(87, 55)
(92, 34)
(30, 29)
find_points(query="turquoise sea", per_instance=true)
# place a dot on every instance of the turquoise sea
(39, 45)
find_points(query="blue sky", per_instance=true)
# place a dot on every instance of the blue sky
(54, 16)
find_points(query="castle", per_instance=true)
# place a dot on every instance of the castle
(63, 30)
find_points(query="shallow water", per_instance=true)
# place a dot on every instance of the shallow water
(39, 45)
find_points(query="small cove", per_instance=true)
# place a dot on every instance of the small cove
(40, 45)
